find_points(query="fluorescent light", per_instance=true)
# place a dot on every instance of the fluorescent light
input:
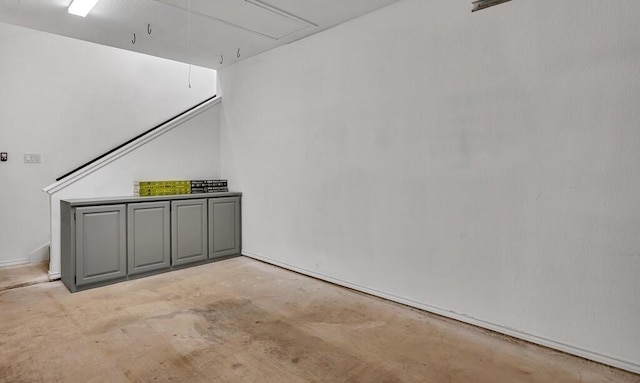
(82, 7)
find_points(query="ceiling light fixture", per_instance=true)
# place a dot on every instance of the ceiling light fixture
(82, 7)
(479, 5)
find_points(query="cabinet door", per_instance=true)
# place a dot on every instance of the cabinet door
(148, 237)
(188, 231)
(101, 249)
(224, 227)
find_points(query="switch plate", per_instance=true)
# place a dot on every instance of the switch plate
(31, 158)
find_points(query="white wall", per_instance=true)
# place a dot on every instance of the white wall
(483, 166)
(71, 101)
(189, 151)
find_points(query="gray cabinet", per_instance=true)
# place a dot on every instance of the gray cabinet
(100, 244)
(188, 231)
(107, 240)
(148, 237)
(224, 227)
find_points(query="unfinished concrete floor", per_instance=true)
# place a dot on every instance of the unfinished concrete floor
(240, 320)
(23, 275)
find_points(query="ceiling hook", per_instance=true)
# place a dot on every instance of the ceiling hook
(238, 53)
(149, 28)
(221, 59)
(134, 39)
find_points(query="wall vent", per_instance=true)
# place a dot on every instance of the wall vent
(479, 5)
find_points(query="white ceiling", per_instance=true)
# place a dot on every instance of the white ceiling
(218, 27)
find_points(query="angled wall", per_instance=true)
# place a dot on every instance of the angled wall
(482, 166)
(186, 149)
(71, 101)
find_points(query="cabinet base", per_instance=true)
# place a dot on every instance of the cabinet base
(73, 288)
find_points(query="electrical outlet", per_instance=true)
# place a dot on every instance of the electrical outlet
(30, 158)
(4, 156)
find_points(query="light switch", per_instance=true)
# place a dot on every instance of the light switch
(31, 158)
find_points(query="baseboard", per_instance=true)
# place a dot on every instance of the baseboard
(54, 276)
(586, 354)
(39, 255)
(14, 262)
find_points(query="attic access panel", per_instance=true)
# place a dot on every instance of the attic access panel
(252, 16)
(327, 13)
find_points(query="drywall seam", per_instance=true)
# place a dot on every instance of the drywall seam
(80, 174)
(569, 349)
